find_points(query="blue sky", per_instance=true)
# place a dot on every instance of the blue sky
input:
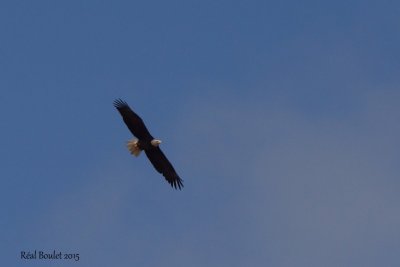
(282, 117)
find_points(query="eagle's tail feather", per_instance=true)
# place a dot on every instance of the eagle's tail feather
(133, 147)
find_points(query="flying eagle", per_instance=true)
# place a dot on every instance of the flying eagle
(148, 143)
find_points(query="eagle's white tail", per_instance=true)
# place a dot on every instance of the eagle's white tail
(133, 147)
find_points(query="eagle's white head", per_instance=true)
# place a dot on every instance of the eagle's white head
(155, 142)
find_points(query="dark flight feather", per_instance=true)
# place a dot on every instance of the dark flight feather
(133, 121)
(163, 166)
(155, 155)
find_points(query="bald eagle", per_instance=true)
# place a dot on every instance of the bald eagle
(145, 141)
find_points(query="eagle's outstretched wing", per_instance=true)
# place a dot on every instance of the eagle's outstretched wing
(133, 121)
(163, 166)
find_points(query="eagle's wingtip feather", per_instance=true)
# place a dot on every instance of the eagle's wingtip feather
(177, 184)
(119, 103)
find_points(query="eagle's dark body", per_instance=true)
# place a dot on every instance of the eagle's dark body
(147, 143)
